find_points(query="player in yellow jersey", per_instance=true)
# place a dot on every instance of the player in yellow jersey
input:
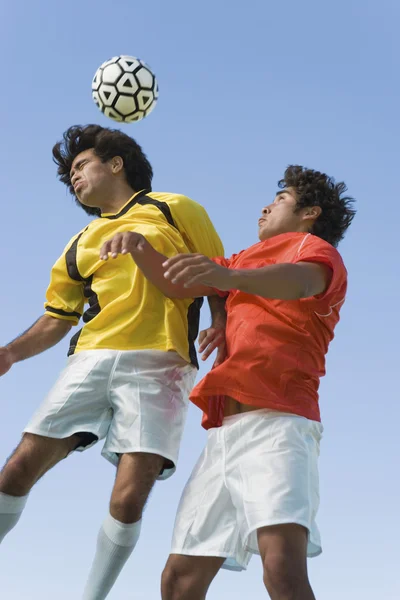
(133, 363)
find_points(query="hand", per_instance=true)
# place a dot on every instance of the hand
(6, 360)
(129, 242)
(192, 269)
(211, 338)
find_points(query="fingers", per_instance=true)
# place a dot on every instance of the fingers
(191, 276)
(208, 336)
(122, 243)
(116, 244)
(105, 250)
(170, 262)
(112, 247)
(221, 355)
(175, 266)
(202, 335)
(210, 339)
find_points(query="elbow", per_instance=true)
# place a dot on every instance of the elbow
(62, 325)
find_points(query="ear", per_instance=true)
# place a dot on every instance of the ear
(312, 212)
(117, 165)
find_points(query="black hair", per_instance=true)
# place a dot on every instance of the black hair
(106, 144)
(314, 188)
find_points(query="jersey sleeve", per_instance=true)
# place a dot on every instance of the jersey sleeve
(65, 296)
(318, 251)
(196, 227)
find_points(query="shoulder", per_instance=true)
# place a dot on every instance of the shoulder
(175, 200)
(296, 247)
(313, 246)
(75, 238)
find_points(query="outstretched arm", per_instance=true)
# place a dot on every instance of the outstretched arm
(44, 333)
(285, 281)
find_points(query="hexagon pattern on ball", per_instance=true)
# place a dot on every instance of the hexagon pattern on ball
(125, 89)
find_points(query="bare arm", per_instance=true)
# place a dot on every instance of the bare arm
(286, 281)
(44, 333)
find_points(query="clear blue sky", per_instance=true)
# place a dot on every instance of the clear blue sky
(245, 89)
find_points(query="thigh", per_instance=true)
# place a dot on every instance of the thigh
(33, 457)
(288, 540)
(283, 550)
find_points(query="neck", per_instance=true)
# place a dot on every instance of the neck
(117, 198)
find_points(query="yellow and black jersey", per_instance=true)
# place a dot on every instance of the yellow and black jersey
(126, 311)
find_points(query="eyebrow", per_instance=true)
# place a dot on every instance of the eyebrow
(78, 164)
(284, 191)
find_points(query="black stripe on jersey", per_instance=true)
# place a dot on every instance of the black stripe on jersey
(89, 314)
(143, 200)
(64, 313)
(193, 317)
(73, 272)
(127, 207)
(162, 206)
(94, 306)
(70, 259)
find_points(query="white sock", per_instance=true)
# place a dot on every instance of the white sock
(115, 544)
(11, 508)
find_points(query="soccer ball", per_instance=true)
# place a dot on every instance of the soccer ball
(125, 89)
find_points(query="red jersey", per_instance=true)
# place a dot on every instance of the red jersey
(276, 348)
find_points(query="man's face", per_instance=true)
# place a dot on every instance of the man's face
(91, 179)
(280, 217)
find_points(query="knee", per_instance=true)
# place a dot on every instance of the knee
(124, 506)
(283, 576)
(174, 584)
(15, 478)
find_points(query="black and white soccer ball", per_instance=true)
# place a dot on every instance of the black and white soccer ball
(125, 89)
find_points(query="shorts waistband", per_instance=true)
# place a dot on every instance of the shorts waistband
(234, 418)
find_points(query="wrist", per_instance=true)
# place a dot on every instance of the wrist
(12, 356)
(235, 279)
(219, 320)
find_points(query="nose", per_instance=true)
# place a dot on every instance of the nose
(266, 210)
(73, 178)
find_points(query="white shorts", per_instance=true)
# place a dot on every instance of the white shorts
(136, 400)
(258, 469)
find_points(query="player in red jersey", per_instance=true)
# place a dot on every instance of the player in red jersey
(255, 489)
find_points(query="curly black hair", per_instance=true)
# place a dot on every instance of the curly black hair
(314, 188)
(106, 144)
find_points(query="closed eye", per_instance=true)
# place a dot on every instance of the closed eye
(82, 164)
(78, 167)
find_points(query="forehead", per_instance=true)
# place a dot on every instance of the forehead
(82, 156)
(289, 193)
